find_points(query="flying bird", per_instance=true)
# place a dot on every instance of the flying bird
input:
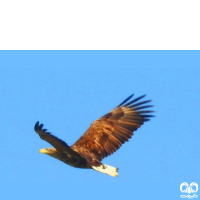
(104, 136)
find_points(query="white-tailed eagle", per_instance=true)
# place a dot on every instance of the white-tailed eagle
(104, 136)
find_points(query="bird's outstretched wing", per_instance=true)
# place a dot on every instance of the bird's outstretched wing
(108, 133)
(53, 140)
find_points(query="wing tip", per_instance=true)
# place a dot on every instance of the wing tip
(127, 99)
(147, 117)
(38, 127)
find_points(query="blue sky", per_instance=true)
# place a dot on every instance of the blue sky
(68, 90)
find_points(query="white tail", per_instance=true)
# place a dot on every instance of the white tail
(106, 169)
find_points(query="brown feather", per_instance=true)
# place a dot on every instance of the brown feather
(108, 133)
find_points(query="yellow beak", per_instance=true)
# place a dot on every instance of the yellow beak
(43, 151)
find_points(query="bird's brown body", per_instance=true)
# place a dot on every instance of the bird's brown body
(74, 160)
(102, 138)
